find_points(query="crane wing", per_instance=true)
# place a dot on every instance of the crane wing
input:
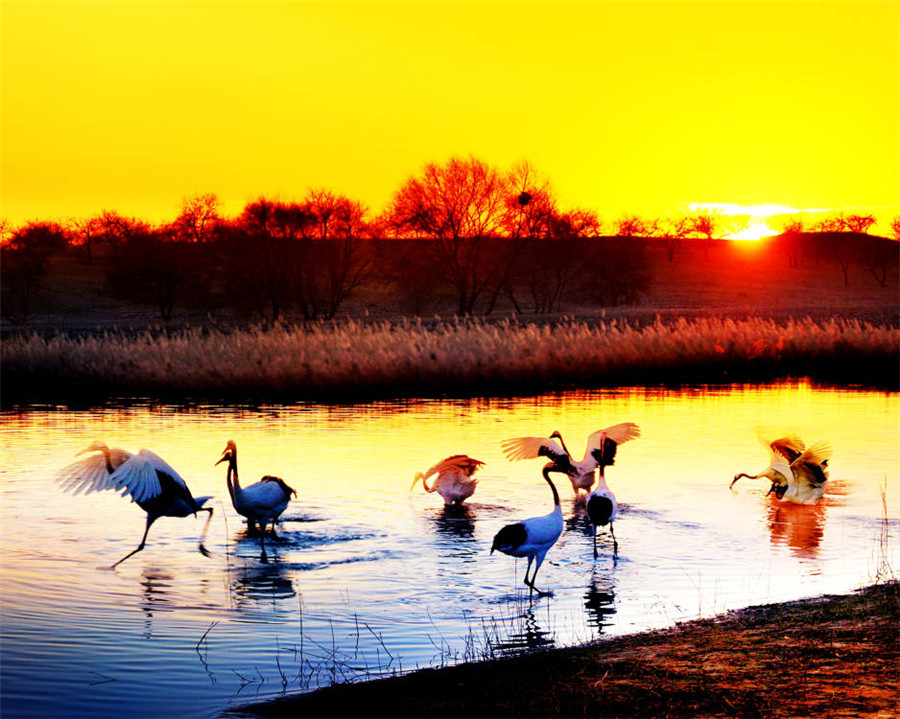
(530, 447)
(139, 476)
(86, 475)
(810, 466)
(618, 433)
(784, 449)
(285, 487)
(459, 462)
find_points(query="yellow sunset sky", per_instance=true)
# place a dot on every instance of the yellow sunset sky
(626, 107)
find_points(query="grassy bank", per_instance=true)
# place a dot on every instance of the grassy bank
(831, 656)
(355, 360)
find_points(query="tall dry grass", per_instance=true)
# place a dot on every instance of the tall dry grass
(357, 357)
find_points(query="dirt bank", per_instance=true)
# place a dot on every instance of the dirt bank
(827, 657)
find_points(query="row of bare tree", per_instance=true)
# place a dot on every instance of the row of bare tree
(461, 231)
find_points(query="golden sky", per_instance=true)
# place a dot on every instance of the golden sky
(626, 107)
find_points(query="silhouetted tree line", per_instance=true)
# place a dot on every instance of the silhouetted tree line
(462, 234)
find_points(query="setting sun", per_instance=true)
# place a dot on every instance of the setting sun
(755, 231)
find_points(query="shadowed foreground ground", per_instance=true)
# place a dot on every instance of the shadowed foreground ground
(826, 657)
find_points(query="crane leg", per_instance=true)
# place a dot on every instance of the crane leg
(203, 550)
(528, 569)
(262, 541)
(150, 521)
(595, 540)
(615, 543)
(537, 566)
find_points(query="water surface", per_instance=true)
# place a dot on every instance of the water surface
(369, 578)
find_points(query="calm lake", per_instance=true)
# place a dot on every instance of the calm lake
(369, 578)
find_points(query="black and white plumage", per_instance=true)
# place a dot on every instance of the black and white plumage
(261, 503)
(533, 537)
(153, 485)
(798, 474)
(601, 505)
(454, 481)
(581, 474)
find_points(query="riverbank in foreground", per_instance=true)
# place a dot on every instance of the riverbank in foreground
(828, 656)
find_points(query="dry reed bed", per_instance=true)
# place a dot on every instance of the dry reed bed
(376, 357)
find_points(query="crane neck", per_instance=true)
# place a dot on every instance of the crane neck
(231, 478)
(546, 473)
(565, 449)
(424, 479)
(601, 479)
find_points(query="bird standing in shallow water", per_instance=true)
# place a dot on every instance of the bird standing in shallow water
(581, 474)
(152, 483)
(798, 475)
(261, 503)
(454, 480)
(602, 507)
(533, 537)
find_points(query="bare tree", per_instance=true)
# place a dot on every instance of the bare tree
(672, 231)
(116, 229)
(23, 264)
(85, 233)
(530, 205)
(199, 218)
(633, 226)
(859, 223)
(880, 258)
(840, 250)
(459, 205)
(257, 254)
(329, 261)
(151, 268)
(793, 226)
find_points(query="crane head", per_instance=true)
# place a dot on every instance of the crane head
(229, 453)
(95, 447)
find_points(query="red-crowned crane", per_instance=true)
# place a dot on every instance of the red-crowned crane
(533, 537)
(798, 475)
(581, 474)
(153, 485)
(262, 502)
(602, 507)
(454, 480)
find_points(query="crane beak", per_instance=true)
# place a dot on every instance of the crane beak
(225, 455)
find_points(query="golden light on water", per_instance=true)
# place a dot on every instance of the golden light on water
(357, 548)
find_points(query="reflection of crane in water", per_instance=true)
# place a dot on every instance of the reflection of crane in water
(599, 601)
(156, 596)
(529, 637)
(455, 522)
(264, 583)
(153, 485)
(580, 474)
(797, 474)
(799, 527)
(454, 478)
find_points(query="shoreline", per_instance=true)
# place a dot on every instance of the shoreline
(835, 655)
